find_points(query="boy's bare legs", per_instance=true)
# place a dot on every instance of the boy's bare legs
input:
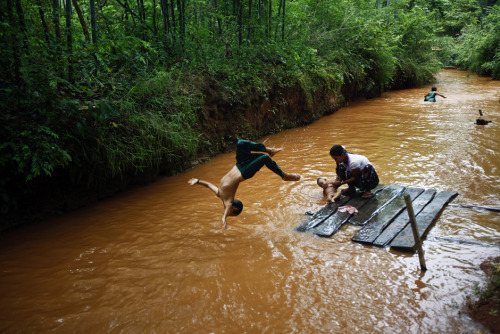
(287, 176)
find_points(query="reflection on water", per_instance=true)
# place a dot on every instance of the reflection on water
(157, 260)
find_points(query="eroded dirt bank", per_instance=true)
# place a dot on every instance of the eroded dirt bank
(221, 121)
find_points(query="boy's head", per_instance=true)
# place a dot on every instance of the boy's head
(434, 89)
(237, 207)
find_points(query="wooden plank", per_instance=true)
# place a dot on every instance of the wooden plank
(321, 215)
(332, 224)
(402, 219)
(384, 217)
(376, 203)
(476, 207)
(327, 211)
(405, 241)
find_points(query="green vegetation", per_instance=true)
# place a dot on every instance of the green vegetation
(95, 91)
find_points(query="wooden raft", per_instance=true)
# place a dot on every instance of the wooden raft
(384, 218)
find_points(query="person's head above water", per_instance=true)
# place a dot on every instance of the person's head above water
(322, 182)
(337, 150)
(434, 89)
(238, 207)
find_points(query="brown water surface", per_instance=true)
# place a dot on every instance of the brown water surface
(155, 260)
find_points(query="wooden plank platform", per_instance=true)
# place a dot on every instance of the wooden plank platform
(320, 216)
(429, 214)
(402, 219)
(384, 216)
(376, 203)
(332, 224)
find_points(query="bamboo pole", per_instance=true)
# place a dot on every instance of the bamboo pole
(416, 236)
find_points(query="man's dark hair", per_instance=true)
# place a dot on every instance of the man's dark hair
(238, 205)
(337, 151)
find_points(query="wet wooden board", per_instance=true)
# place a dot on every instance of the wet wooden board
(332, 224)
(376, 203)
(402, 219)
(405, 241)
(321, 215)
(377, 223)
(328, 210)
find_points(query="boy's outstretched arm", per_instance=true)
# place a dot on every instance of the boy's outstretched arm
(227, 211)
(207, 184)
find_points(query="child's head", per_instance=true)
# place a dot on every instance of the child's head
(237, 207)
(322, 182)
(434, 89)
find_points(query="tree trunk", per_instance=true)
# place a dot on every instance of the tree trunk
(165, 16)
(240, 22)
(283, 22)
(93, 21)
(82, 21)
(249, 19)
(269, 18)
(22, 23)
(44, 23)
(15, 51)
(55, 20)
(69, 40)
(155, 31)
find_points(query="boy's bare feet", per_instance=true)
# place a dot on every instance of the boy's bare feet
(291, 177)
(272, 150)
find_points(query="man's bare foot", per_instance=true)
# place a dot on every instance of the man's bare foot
(291, 177)
(272, 150)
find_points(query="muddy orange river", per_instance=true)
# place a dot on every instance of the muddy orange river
(156, 259)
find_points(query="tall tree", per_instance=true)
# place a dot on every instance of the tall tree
(44, 23)
(93, 21)
(69, 40)
(82, 21)
(22, 23)
(15, 49)
(55, 19)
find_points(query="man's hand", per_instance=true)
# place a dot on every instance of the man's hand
(193, 181)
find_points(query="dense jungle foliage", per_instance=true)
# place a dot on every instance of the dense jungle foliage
(97, 91)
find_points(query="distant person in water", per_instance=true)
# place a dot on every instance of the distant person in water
(330, 189)
(431, 97)
(354, 170)
(247, 164)
(480, 120)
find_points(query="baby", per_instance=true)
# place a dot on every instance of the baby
(330, 189)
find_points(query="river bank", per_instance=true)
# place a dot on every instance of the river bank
(220, 121)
